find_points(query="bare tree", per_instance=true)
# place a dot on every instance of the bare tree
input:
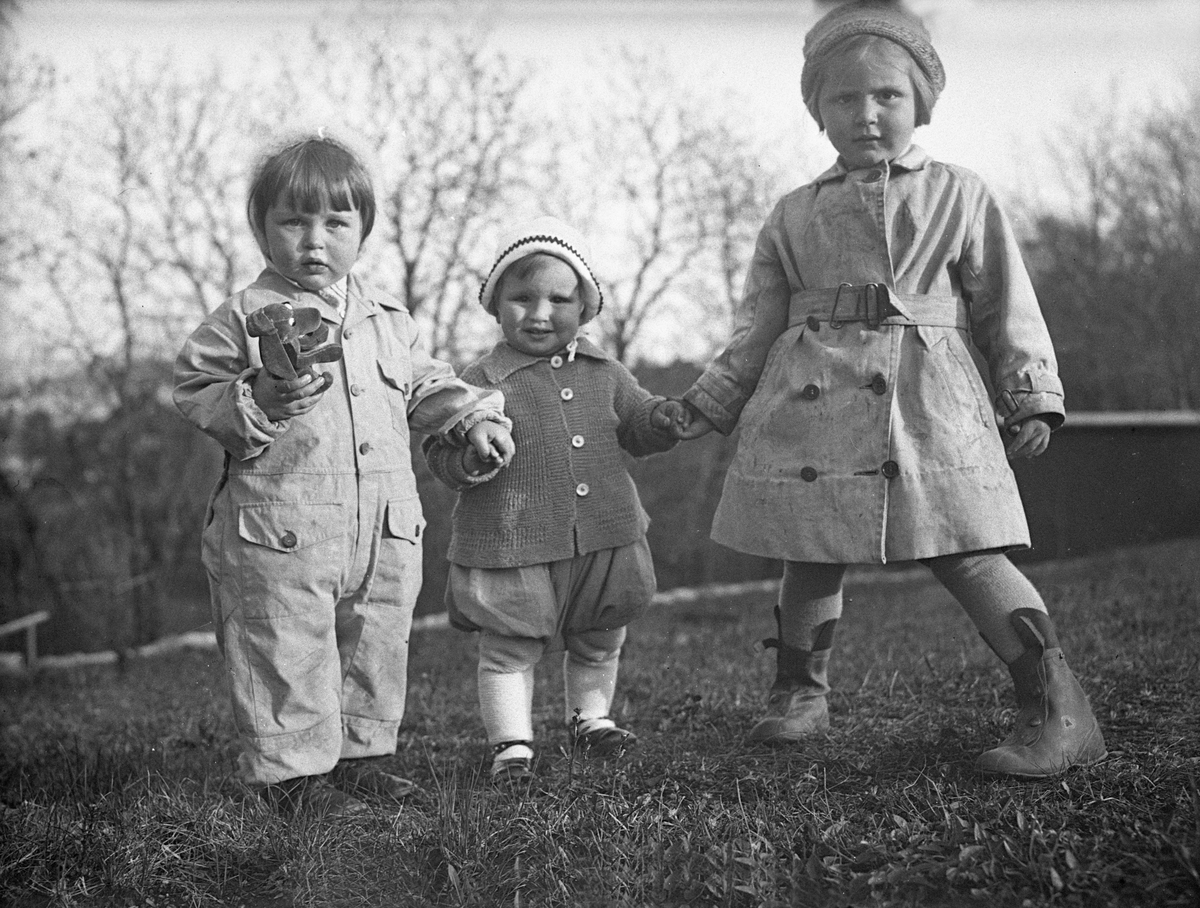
(137, 243)
(444, 119)
(673, 190)
(1118, 270)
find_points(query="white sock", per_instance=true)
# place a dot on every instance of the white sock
(506, 704)
(589, 688)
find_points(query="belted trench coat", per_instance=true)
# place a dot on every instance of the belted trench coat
(887, 330)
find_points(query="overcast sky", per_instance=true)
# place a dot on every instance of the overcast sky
(1017, 69)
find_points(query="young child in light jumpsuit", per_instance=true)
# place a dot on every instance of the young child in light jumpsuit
(887, 325)
(553, 547)
(312, 540)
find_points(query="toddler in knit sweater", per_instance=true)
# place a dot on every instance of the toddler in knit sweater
(553, 547)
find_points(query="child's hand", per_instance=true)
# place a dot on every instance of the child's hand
(693, 425)
(282, 399)
(1029, 438)
(491, 443)
(670, 416)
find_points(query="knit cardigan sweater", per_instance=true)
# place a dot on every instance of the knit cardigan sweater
(567, 491)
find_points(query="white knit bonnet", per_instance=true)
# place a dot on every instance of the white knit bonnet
(553, 237)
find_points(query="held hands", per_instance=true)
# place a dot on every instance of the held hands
(669, 416)
(489, 445)
(1029, 438)
(680, 419)
(282, 399)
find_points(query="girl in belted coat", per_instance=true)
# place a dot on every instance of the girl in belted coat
(887, 326)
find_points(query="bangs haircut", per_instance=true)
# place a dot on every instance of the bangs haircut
(867, 49)
(531, 264)
(308, 174)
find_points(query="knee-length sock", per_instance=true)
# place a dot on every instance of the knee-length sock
(989, 588)
(590, 668)
(810, 597)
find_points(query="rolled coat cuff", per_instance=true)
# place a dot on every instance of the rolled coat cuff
(487, 404)
(1030, 394)
(719, 400)
(253, 431)
(459, 433)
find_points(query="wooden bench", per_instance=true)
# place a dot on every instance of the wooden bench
(29, 624)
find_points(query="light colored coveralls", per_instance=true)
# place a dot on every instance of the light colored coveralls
(869, 443)
(312, 541)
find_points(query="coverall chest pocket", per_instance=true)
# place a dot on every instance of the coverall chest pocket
(397, 385)
(291, 555)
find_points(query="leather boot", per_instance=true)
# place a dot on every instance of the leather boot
(1055, 728)
(796, 706)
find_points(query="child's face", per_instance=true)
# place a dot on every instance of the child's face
(539, 310)
(312, 248)
(868, 106)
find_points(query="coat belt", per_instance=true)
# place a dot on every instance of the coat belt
(875, 304)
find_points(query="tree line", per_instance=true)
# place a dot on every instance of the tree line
(123, 223)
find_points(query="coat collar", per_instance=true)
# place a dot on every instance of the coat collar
(504, 360)
(915, 158)
(362, 301)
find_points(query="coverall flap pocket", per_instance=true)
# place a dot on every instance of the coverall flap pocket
(397, 375)
(397, 382)
(289, 526)
(404, 519)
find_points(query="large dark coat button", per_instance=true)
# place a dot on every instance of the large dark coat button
(891, 469)
(814, 323)
(810, 392)
(288, 540)
(879, 384)
(808, 474)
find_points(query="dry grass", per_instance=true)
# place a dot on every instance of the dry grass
(116, 785)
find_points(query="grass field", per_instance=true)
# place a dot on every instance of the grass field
(116, 787)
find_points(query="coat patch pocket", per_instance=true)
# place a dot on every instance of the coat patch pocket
(404, 519)
(960, 377)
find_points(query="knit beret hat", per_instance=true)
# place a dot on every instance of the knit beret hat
(868, 17)
(553, 237)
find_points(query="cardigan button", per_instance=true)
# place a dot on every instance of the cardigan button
(364, 448)
(356, 390)
(288, 540)
(556, 361)
(582, 489)
(577, 441)
(891, 469)
(566, 393)
(879, 384)
(813, 323)
(810, 392)
(808, 474)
